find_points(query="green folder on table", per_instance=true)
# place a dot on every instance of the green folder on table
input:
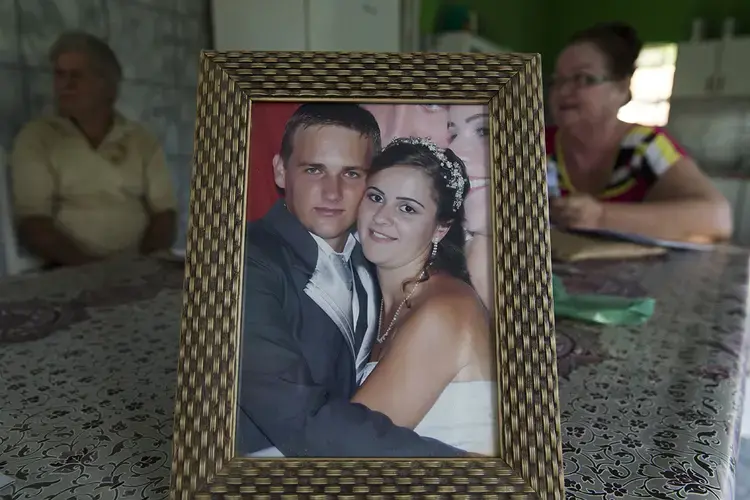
(602, 309)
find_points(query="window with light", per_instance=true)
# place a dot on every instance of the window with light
(651, 86)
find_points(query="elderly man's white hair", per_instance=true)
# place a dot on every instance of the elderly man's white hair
(102, 56)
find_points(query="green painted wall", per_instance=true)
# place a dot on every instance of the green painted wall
(544, 25)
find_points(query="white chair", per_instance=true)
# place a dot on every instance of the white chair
(17, 260)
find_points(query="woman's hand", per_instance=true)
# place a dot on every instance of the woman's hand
(577, 211)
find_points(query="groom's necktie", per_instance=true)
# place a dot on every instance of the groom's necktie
(345, 272)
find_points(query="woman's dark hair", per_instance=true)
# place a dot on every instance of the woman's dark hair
(450, 256)
(618, 42)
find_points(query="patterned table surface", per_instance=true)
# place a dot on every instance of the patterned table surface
(86, 411)
(654, 411)
(88, 367)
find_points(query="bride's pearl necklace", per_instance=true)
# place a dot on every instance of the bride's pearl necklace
(384, 335)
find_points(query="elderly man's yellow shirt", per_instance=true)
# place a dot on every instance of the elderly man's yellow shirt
(101, 197)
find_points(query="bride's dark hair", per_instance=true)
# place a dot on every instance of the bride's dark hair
(450, 257)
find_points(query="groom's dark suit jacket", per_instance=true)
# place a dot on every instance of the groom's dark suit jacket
(298, 369)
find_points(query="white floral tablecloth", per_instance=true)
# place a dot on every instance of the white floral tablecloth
(654, 411)
(88, 363)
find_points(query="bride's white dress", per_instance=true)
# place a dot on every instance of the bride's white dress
(464, 415)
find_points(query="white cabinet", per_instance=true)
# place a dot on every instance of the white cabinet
(734, 73)
(696, 68)
(734, 190)
(737, 192)
(259, 25)
(713, 68)
(326, 25)
(355, 25)
(742, 217)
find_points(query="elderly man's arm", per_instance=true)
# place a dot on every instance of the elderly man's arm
(161, 203)
(33, 187)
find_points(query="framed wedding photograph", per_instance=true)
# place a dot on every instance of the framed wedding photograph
(368, 305)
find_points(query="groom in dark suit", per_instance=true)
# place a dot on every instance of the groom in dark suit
(310, 304)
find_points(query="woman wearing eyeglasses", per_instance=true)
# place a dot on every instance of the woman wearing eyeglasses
(615, 175)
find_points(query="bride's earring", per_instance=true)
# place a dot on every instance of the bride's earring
(434, 249)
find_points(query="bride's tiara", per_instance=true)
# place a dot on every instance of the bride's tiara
(451, 169)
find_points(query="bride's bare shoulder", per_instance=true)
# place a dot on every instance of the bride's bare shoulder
(448, 290)
(452, 306)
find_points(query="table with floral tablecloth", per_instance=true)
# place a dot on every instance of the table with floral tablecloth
(88, 366)
(88, 363)
(654, 411)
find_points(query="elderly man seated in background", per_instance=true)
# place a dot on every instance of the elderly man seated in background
(87, 182)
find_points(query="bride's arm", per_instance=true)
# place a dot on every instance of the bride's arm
(426, 354)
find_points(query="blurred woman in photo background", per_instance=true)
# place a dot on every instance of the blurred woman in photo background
(468, 133)
(429, 121)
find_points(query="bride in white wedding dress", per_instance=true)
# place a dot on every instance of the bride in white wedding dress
(431, 366)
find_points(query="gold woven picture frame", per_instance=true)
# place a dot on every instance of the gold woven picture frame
(204, 463)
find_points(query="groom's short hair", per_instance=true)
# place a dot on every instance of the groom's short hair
(335, 114)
